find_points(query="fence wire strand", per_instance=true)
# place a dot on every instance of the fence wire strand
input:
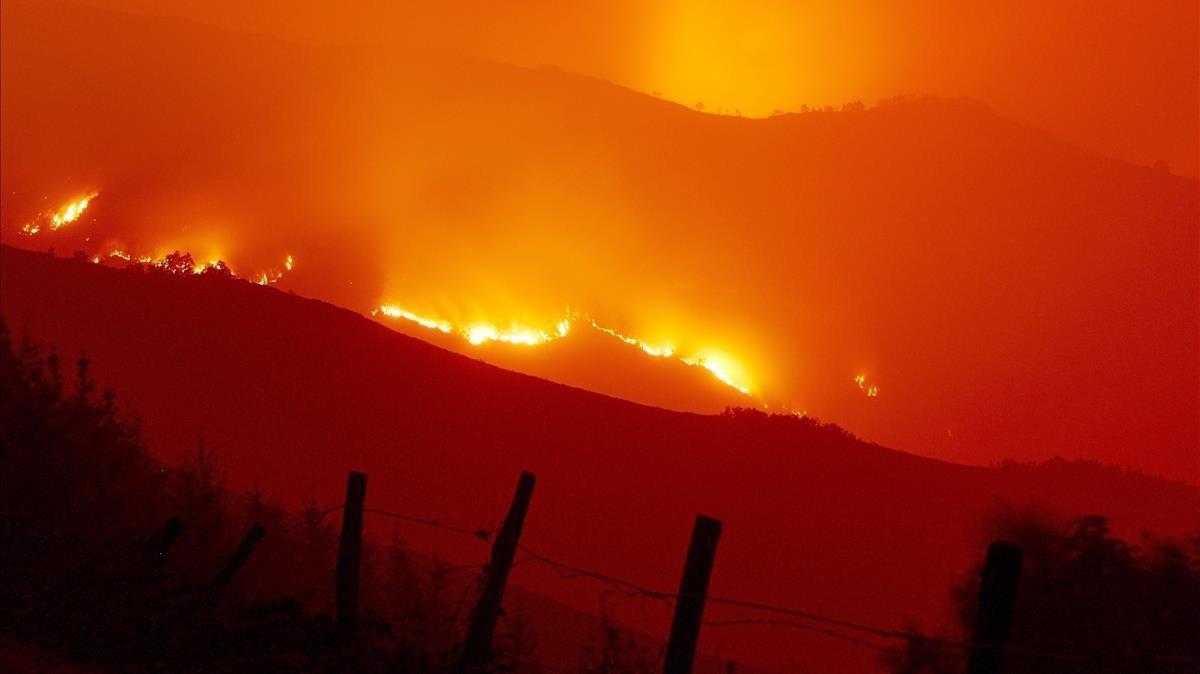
(314, 517)
(634, 589)
(481, 533)
(794, 616)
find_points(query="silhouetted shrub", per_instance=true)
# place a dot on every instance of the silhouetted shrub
(1086, 594)
(80, 498)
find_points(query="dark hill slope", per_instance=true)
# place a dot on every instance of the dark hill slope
(1014, 296)
(296, 392)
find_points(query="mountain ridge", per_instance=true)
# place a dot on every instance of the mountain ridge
(930, 246)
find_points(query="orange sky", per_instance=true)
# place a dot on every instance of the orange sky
(1010, 294)
(1114, 76)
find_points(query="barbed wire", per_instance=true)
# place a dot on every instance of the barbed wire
(634, 589)
(481, 534)
(314, 517)
(569, 572)
(631, 588)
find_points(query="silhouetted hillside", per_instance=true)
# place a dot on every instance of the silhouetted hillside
(89, 576)
(1014, 295)
(294, 392)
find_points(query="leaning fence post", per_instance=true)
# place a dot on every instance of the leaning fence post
(350, 556)
(693, 589)
(478, 645)
(161, 541)
(997, 601)
(237, 559)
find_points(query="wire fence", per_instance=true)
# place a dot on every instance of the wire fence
(769, 615)
(762, 614)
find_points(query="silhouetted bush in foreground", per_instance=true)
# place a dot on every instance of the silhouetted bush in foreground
(1088, 602)
(80, 498)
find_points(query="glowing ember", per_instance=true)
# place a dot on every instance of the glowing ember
(393, 311)
(65, 215)
(871, 390)
(274, 276)
(182, 263)
(481, 332)
(476, 333)
(122, 255)
(656, 351)
(718, 370)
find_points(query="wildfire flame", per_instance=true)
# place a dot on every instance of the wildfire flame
(656, 351)
(871, 390)
(65, 215)
(182, 263)
(718, 370)
(475, 333)
(393, 311)
(479, 332)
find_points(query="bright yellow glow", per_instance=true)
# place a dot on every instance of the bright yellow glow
(870, 390)
(747, 57)
(128, 257)
(656, 351)
(65, 215)
(721, 366)
(393, 311)
(162, 262)
(70, 212)
(480, 332)
(274, 275)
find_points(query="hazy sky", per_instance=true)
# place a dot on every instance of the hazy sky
(1011, 295)
(1116, 76)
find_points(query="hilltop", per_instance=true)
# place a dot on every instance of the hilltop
(1013, 295)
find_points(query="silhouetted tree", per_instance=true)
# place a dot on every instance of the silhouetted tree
(78, 496)
(70, 463)
(615, 650)
(178, 263)
(1122, 608)
(218, 269)
(515, 647)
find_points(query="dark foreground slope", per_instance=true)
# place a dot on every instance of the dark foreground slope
(295, 392)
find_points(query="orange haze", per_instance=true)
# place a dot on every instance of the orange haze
(1117, 77)
(1001, 292)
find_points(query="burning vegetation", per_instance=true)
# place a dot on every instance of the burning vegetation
(480, 332)
(55, 220)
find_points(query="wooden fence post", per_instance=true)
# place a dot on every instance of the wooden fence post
(997, 601)
(478, 645)
(350, 557)
(693, 589)
(162, 541)
(237, 560)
